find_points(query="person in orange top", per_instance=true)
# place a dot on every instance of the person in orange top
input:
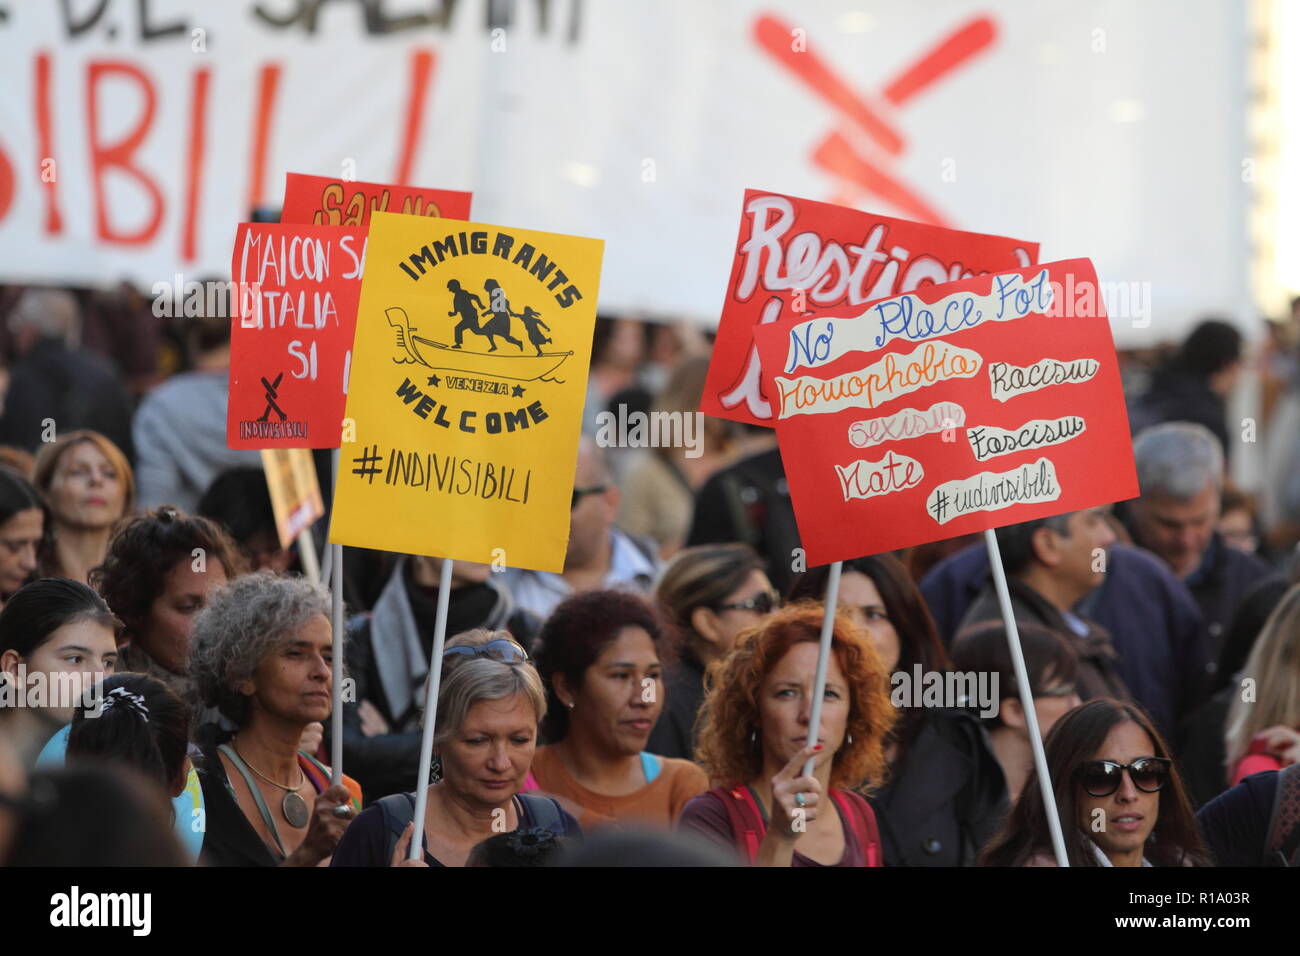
(601, 657)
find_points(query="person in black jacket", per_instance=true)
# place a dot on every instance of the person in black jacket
(1195, 384)
(388, 658)
(945, 794)
(712, 592)
(53, 382)
(1180, 469)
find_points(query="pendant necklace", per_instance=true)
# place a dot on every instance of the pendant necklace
(294, 806)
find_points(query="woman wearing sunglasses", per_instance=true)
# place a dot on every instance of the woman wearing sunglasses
(1119, 795)
(944, 795)
(712, 593)
(489, 703)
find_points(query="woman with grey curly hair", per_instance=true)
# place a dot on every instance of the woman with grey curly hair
(490, 702)
(261, 654)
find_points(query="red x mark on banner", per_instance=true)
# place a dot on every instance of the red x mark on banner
(835, 153)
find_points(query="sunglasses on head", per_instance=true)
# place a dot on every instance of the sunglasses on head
(764, 602)
(498, 649)
(1101, 778)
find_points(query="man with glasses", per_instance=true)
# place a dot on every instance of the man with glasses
(599, 555)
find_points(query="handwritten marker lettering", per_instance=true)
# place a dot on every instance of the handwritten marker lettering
(867, 479)
(993, 491)
(821, 341)
(987, 442)
(895, 375)
(906, 423)
(1008, 381)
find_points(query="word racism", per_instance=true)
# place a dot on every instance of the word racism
(966, 690)
(74, 908)
(56, 690)
(665, 430)
(527, 258)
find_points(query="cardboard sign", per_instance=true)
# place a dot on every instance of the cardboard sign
(323, 201)
(468, 383)
(796, 257)
(295, 493)
(294, 310)
(957, 408)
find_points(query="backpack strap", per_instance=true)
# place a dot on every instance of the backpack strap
(399, 811)
(1283, 845)
(747, 826)
(543, 811)
(862, 819)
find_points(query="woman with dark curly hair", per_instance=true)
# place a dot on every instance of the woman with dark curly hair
(261, 655)
(89, 486)
(601, 656)
(945, 794)
(754, 742)
(160, 568)
(1119, 795)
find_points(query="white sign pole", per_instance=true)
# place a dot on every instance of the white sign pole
(334, 560)
(1026, 698)
(431, 710)
(823, 658)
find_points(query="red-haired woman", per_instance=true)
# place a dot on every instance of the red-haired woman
(754, 737)
(946, 793)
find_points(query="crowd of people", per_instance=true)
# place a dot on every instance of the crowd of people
(168, 667)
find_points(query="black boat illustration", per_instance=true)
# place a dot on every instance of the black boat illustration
(500, 364)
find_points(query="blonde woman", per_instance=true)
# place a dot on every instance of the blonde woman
(490, 702)
(88, 484)
(1263, 732)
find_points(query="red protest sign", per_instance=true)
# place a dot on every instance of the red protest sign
(294, 314)
(950, 410)
(323, 201)
(795, 256)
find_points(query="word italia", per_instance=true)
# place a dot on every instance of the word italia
(527, 257)
(639, 429)
(458, 476)
(74, 908)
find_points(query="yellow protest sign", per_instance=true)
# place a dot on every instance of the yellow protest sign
(469, 375)
(295, 493)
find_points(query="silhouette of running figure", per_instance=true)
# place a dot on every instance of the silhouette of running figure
(534, 324)
(499, 309)
(467, 306)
